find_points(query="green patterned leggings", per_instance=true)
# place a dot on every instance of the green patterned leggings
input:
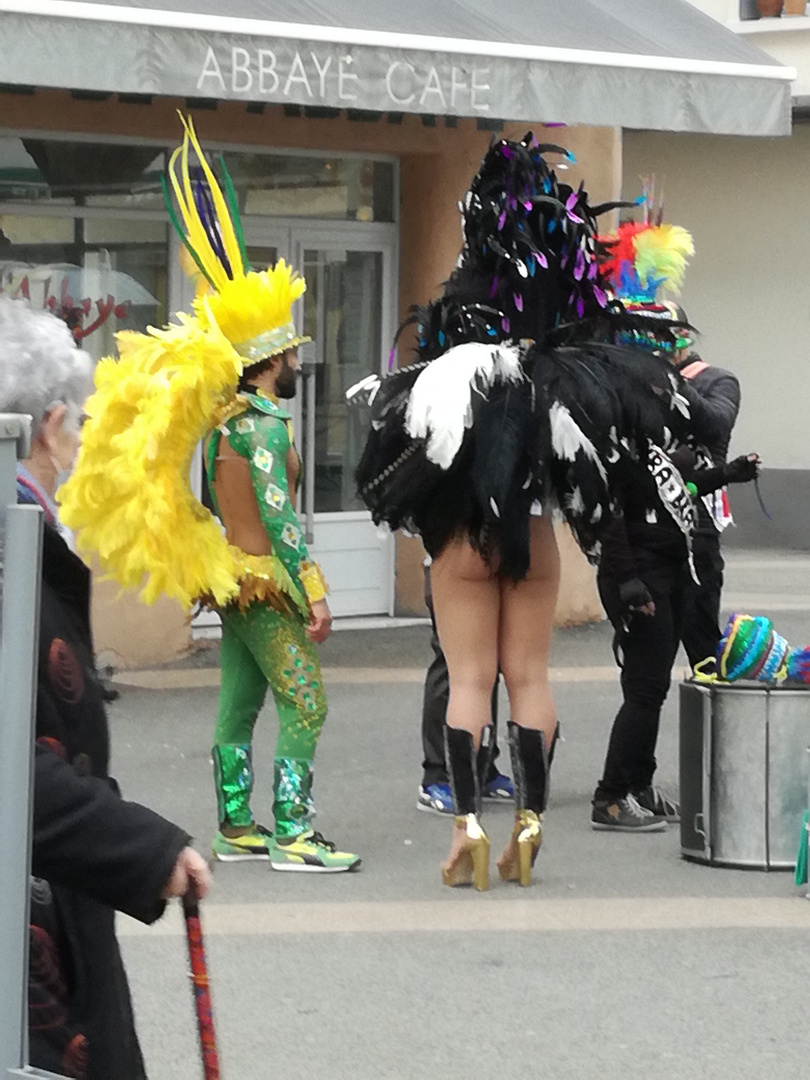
(260, 648)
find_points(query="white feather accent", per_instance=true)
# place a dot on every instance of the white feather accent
(440, 403)
(364, 391)
(574, 502)
(568, 439)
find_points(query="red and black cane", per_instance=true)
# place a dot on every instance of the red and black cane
(199, 977)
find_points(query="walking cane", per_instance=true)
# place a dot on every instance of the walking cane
(199, 977)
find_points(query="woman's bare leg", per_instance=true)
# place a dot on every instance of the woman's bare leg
(527, 611)
(466, 600)
(526, 620)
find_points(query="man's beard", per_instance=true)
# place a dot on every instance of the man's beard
(286, 381)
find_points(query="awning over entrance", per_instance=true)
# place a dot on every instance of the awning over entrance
(660, 64)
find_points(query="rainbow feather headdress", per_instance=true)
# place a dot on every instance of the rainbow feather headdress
(644, 261)
(129, 499)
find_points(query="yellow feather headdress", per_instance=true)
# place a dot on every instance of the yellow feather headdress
(252, 309)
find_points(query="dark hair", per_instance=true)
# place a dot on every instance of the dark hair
(250, 373)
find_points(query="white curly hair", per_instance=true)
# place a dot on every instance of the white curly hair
(40, 366)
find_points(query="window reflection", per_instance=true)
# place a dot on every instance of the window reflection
(99, 275)
(343, 315)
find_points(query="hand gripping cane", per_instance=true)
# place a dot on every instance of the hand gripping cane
(199, 977)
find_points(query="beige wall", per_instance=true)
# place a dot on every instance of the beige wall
(436, 166)
(747, 204)
(786, 39)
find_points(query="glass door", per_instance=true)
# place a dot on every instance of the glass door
(349, 311)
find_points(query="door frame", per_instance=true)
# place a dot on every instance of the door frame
(291, 236)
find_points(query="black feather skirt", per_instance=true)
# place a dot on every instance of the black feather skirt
(483, 437)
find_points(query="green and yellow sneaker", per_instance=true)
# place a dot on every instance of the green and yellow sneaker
(255, 844)
(309, 852)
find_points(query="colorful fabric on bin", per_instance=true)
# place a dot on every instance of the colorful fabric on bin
(751, 649)
(798, 665)
(800, 876)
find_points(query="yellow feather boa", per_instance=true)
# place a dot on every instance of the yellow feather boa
(129, 498)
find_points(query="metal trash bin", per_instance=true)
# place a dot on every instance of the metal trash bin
(743, 771)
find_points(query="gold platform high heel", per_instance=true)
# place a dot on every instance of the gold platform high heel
(468, 861)
(517, 860)
(530, 769)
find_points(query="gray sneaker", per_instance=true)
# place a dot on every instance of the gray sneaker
(625, 815)
(653, 799)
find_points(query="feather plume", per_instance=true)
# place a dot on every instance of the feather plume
(441, 402)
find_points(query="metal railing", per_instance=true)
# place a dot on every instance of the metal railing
(22, 561)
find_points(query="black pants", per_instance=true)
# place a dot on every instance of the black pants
(701, 619)
(648, 647)
(434, 707)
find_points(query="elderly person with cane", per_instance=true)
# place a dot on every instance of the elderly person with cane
(93, 852)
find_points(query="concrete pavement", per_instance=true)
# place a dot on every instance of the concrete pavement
(621, 961)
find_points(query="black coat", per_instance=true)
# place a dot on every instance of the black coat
(93, 853)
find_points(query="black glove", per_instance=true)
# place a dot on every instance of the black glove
(742, 469)
(634, 594)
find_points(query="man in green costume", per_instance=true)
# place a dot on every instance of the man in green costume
(253, 469)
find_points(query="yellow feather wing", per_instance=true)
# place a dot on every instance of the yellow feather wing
(129, 498)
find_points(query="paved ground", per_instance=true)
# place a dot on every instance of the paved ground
(621, 961)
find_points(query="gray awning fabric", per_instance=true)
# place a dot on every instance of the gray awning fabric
(660, 64)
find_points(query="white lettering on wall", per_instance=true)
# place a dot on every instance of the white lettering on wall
(457, 85)
(389, 82)
(210, 70)
(345, 76)
(479, 88)
(240, 65)
(433, 86)
(267, 68)
(297, 75)
(321, 72)
(437, 88)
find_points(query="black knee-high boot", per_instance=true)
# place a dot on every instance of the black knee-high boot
(469, 861)
(530, 773)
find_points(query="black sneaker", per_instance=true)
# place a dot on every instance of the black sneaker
(653, 799)
(625, 815)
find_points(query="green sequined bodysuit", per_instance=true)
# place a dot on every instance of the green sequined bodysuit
(262, 646)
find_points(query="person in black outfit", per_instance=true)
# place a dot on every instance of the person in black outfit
(714, 402)
(93, 852)
(644, 581)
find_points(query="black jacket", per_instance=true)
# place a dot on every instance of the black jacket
(93, 853)
(714, 402)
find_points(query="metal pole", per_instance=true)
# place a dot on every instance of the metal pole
(18, 671)
(309, 453)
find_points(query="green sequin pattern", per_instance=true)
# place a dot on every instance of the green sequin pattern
(262, 647)
(233, 776)
(261, 434)
(292, 807)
